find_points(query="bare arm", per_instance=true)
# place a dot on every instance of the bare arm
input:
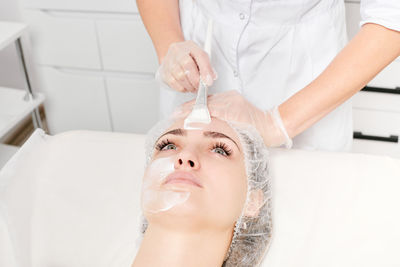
(371, 50)
(162, 21)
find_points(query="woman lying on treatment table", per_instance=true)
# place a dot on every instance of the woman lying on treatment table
(205, 197)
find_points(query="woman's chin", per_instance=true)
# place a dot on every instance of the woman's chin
(182, 214)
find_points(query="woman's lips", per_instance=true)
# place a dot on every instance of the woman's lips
(181, 177)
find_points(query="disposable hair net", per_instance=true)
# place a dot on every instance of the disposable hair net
(252, 235)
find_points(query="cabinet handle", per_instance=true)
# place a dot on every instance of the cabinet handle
(391, 138)
(381, 90)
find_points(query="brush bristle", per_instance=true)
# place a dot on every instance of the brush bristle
(198, 115)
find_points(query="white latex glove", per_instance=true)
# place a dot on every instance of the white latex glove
(232, 106)
(183, 65)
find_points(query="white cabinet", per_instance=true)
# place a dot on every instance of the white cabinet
(126, 46)
(63, 41)
(376, 147)
(74, 100)
(389, 77)
(376, 115)
(379, 123)
(377, 101)
(96, 64)
(133, 103)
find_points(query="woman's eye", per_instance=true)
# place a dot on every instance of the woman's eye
(165, 145)
(220, 151)
(169, 146)
(222, 148)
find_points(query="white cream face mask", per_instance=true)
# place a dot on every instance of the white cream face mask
(155, 197)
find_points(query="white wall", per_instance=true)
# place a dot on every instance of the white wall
(10, 74)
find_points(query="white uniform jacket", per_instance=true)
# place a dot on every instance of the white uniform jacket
(270, 49)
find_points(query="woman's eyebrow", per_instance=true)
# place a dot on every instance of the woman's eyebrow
(174, 132)
(219, 135)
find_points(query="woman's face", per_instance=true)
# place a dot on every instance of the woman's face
(208, 163)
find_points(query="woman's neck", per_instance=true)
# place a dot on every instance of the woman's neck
(162, 247)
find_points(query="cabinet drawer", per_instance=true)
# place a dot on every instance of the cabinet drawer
(389, 77)
(74, 101)
(134, 103)
(377, 101)
(376, 123)
(63, 41)
(79, 5)
(126, 46)
(376, 147)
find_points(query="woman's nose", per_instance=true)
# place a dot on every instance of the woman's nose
(187, 160)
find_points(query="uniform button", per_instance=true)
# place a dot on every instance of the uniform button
(235, 73)
(242, 16)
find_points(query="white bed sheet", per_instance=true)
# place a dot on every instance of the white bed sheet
(73, 200)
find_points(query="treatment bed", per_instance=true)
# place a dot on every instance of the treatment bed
(73, 200)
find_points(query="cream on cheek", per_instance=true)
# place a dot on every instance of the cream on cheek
(154, 197)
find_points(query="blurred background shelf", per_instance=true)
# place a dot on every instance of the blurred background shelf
(9, 32)
(15, 105)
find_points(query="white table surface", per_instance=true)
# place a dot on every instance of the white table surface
(9, 32)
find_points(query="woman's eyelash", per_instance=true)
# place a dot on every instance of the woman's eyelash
(163, 144)
(224, 147)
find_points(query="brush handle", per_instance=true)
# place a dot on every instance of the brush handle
(208, 40)
(201, 99)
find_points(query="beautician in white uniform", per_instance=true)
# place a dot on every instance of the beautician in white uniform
(288, 54)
